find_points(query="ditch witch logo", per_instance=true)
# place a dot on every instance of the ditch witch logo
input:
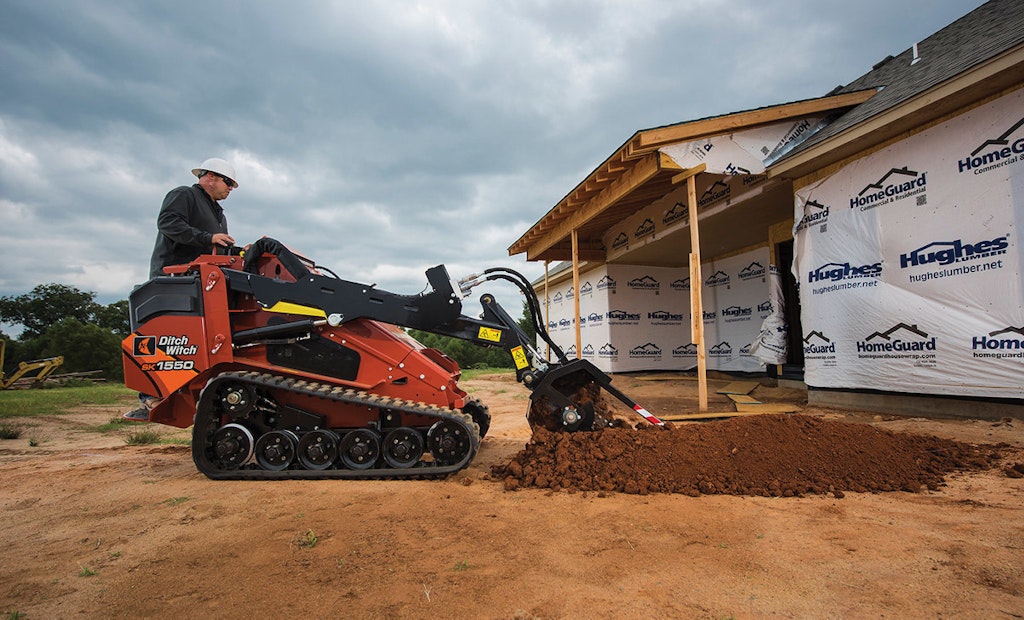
(679, 211)
(907, 183)
(949, 252)
(814, 213)
(649, 351)
(997, 152)
(883, 342)
(146, 346)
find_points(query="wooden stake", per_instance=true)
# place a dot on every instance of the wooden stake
(576, 290)
(696, 301)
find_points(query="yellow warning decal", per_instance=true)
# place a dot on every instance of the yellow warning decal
(489, 334)
(285, 307)
(519, 357)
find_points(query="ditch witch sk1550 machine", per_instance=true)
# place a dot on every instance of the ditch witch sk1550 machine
(286, 372)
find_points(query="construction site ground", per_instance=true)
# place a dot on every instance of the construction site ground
(93, 527)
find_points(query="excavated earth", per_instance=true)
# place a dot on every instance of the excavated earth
(766, 455)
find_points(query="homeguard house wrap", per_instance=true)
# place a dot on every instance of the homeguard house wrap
(866, 241)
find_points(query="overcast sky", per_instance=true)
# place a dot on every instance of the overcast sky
(378, 138)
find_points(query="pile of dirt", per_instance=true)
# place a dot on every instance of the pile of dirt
(766, 455)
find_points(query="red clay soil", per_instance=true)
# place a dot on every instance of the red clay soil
(764, 455)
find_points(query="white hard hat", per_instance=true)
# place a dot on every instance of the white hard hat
(220, 166)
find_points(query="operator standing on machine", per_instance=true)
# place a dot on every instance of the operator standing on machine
(191, 223)
(191, 220)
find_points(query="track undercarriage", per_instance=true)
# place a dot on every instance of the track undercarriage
(257, 426)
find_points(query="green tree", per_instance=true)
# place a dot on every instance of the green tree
(114, 317)
(45, 306)
(85, 347)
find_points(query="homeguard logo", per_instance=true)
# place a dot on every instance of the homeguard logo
(679, 211)
(645, 283)
(999, 343)
(834, 272)
(912, 340)
(766, 307)
(816, 345)
(687, 350)
(715, 192)
(997, 152)
(586, 290)
(752, 271)
(649, 351)
(949, 252)
(719, 278)
(569, 294)
(734, 170)
(682, 284)
(745, 351)
(594, 318)
(144, 346)
(661, 317)
(588, 351)
(557, 298)
(621, 317)
(907, 183)
(606, 284)
(645, 229)
(722, 349)
(608, 352)
(571, 352)
(814, 213)
(733, 314)
(620, 241)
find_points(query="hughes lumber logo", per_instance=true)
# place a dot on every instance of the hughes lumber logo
(594, 318)
(1002, 343)
(752, 271)
(620, 241)
(904, 184)
(687, 350)
(995, 152)
(834, 272)
(645, 229)
(621, 317)
(564, 324)
(663, 317)
(715, 192)
(608, 352)
(815, 213)
(719, 278)
(682, 284)
(901, 341)
(733, 314)
(606, 284)
(649, 351)
(722, 349)
(709, 317)
(644, 283)
(679, 211)
(949, 252)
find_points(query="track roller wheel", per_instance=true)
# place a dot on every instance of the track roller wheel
(480, 414)
(232, 446)
(276, 450)
(318, 449)
(360, 449)
(448, 441)
(236, 398)
(403, 447)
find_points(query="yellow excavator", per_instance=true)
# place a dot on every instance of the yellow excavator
(45, 368)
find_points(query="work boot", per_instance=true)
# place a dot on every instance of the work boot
(141, 414)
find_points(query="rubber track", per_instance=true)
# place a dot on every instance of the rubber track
(206, 424)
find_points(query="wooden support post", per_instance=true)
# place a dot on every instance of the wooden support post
(576, 290)
(696, 282)
(547, 309)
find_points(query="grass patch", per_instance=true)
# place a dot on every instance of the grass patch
(308, 540)
(86, 572)
(473, 373)
(143, 437)
(57, 401)
(174, 501)
(10, 431)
